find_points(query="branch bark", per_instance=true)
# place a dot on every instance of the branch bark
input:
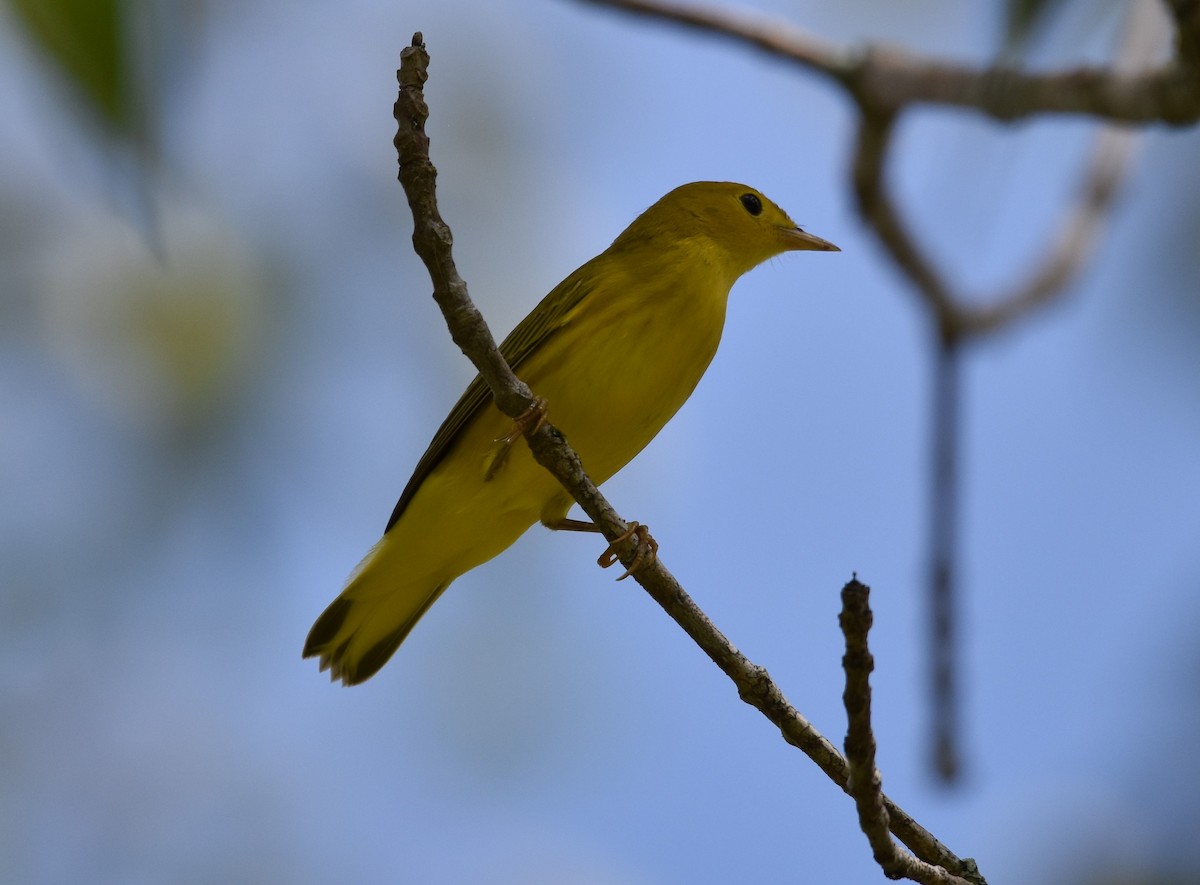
(866, 782)
(433, 243)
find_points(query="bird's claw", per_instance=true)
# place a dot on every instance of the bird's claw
(647, 550)
(532, 418)
(529, 421)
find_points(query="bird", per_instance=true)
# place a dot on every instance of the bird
(613, 351)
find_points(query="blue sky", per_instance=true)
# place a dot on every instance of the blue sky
(172, 524)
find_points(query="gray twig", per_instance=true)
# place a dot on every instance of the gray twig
(866, 783)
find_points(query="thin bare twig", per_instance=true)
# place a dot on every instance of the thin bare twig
(754, 685)
(432, 241)
(866, 782)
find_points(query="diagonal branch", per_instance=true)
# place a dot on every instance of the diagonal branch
(433, 242)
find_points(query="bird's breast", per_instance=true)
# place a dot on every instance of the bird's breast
(616, 371)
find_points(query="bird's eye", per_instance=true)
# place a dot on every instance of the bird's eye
(752, 203)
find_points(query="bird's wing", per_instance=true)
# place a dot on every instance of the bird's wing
(530, 334)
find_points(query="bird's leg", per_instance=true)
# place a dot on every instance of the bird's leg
(532, 418)
(647, 549)
(571, 525)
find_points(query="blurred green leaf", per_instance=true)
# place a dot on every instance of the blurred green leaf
(84, 39)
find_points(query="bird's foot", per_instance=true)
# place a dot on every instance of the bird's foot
(532, 418)
(647, 550)
(529, 421)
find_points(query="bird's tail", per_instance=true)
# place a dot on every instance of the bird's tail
(363, 627)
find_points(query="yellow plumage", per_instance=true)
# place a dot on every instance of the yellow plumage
(615, 349)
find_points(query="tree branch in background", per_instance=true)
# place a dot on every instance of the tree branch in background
(433, 242)
(883, 82)
(1187, 23)
(944, 752)
(956, 320)
(1143, 37)
(892, 78)
(876, 206)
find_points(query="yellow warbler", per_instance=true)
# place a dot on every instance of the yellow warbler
(615, 349)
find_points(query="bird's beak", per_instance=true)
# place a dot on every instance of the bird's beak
(796, 240)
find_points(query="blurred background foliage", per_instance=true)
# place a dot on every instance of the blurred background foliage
(85, 41)
(218, 363)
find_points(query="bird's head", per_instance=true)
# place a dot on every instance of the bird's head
(723, 218)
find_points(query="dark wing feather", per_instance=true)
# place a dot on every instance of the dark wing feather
(528, 336)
